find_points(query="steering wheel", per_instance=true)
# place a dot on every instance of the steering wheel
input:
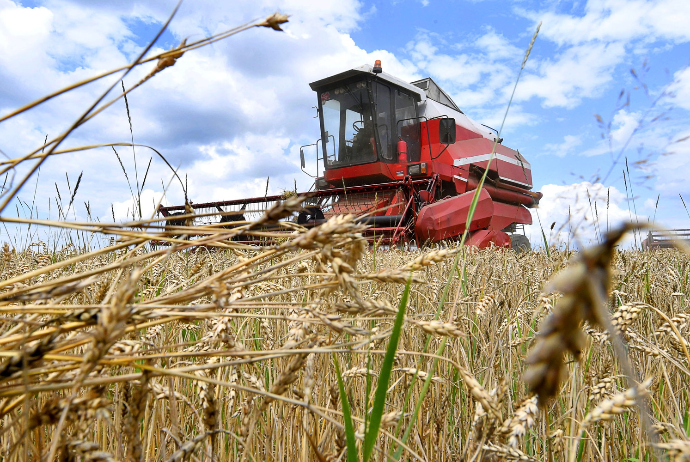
(355, 127)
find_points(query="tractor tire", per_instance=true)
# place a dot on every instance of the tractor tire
(519, 243)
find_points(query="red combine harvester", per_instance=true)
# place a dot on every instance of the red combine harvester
(408, 160)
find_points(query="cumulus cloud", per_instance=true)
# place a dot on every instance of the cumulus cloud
(129, 209)
(227, 116)
(575, 73)
(471, 75)
(681, 88)
(623, 127)
(591, 46)
(649, 139)
(670, 171)
(618, 20)
(590, 49)
(570, 142)
(497, 46)
(579, 214)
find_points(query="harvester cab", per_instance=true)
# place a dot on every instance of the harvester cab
(407, 160)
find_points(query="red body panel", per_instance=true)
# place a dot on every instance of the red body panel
(507, 163)
(375, 172)
(461, 134)
(502, 202)
(504, 195)
(507, 214)
(447, 218)
(485, 237)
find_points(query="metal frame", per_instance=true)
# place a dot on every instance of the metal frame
(390, 234)
(165, 211)
(657, 239)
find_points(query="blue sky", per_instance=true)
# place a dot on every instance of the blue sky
(236, 112)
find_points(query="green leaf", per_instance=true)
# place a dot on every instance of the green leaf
(441, 304)
(546, 243)
(347, 416)
(384, 377)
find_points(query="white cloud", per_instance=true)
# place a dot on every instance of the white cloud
(129, 209)
(517, 117)
(671, 170)
(623, 126)
(580, 214)
(649, 204)
(593, 45)
(496, 46)
(618, 20)
(591, 48)
(47, 47)
(473, 77)
(228, 115)
(681, 88)
(570, 142)
(649, 133)
(24, 32)
(578, 72)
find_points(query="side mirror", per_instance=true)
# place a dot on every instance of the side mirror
(301, 156)
(446, 131)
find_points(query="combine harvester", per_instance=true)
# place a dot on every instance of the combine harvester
(405, 156)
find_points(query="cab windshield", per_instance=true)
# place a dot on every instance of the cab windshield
(355, 130)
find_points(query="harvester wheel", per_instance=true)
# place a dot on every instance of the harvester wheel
(520, 243)
(176, 222)
(310, 214)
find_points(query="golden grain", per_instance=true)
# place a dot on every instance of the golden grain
(211, 334)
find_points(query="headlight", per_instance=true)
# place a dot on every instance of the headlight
(416, 169)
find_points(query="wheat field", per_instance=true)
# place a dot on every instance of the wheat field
(222, 353)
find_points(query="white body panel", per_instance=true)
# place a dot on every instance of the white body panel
(430, 109)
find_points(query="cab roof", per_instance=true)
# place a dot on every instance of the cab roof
(367, 69)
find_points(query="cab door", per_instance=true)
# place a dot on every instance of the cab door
(385, 128)
(407, 124)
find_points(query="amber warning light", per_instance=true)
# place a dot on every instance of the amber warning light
(377, 67)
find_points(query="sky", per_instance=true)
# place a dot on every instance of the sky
(606, 82)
